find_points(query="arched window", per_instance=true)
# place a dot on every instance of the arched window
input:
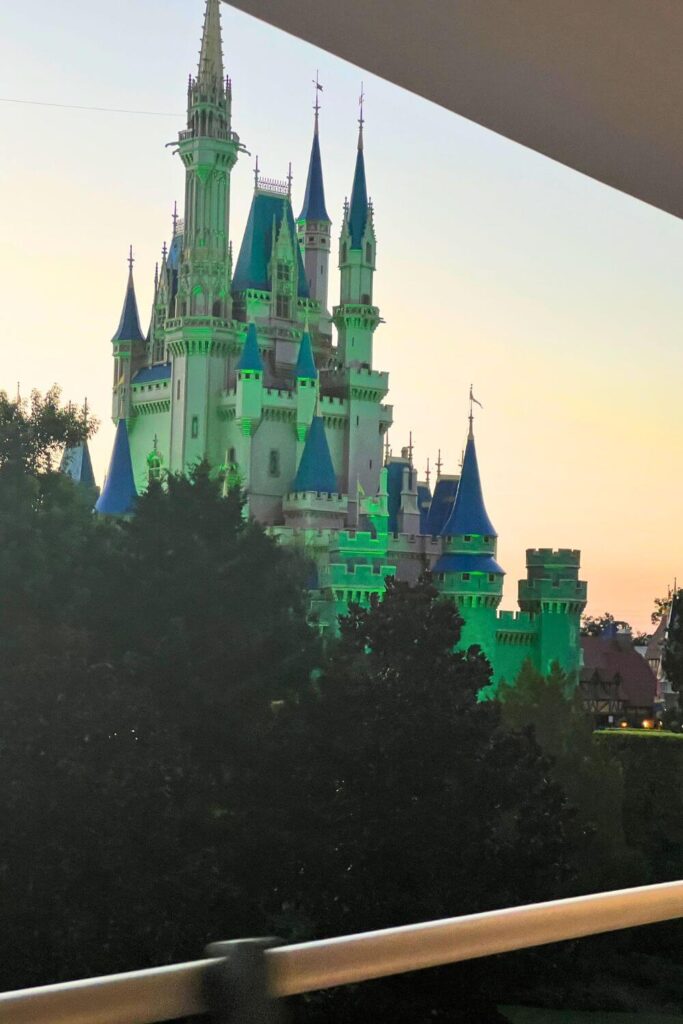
(343, 252)
(154, 465)
(368, 253)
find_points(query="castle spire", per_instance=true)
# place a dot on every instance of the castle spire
(119, 494)
(358, 210)
(469, 515)
(129, 325)
(210, 72)
(314, 197)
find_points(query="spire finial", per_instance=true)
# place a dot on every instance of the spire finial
(427, 472)
(361, 119)
(316, 105)
(156, 276)
(164, 252)
(85, 411)
(18, 393)
(473, 401)
(289, 180)
(211, 54)
(256, 172)
(155, 443)
(386, 448)
(131, 259)
(439, 464)
(174, 218)
(410, 449)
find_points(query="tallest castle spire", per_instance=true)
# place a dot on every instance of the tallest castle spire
(210, 73)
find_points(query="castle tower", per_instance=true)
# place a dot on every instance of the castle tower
(556, 597)
(129, 348)
(198, 334)
(313, 228)
(467, 570)
(355, 317)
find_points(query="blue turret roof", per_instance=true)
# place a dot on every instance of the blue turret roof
(441, 504)
(305, 363)
(468, 563)
(394, 488)
(358, 210)
(316, 472)
(118, 495)
(149, 374)
(129, 325)
(251, 270)
(76, 464)
(314, 197)
(469, 512)
(250, 358)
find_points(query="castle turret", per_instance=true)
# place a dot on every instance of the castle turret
(306, 377)
(118, 495)
(556, 597)
(198, 333)
(467, 570)
(129, 347)
(355, 317)
(313, 226)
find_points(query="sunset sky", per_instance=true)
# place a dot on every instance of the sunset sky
(559, 299)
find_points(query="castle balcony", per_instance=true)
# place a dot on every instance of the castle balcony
(182, 990)
(224, 134)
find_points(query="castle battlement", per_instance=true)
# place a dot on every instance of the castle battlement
(553, 556)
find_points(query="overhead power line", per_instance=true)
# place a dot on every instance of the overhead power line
(76, 106)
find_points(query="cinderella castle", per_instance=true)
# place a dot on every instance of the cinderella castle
(248, 365)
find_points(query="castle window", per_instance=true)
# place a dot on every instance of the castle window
(368, 253)
(283, 307)
(467, 539)
(491, 577)
(311, 238)
(365, 299)
(274, 462)
(465, 575)
(283, 271)
(343, 253)
(217, 307)
(232, 458)
(487, 540)
(177, 390)
(195, 426)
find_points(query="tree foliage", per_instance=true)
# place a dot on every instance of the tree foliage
(392, 796)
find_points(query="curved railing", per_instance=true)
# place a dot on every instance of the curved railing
(166, 993)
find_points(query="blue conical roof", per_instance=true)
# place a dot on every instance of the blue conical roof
(469, 513)
(305, 363)
(316, 472)
(118, 495)
(76, 464)
(251, 357)
(129, 325)
(314, 197)
(358, 210)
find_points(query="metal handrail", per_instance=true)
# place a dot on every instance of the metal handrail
(165, 993)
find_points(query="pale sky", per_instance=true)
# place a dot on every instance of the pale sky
(558, 298)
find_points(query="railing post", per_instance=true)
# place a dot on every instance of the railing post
(237, 987)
